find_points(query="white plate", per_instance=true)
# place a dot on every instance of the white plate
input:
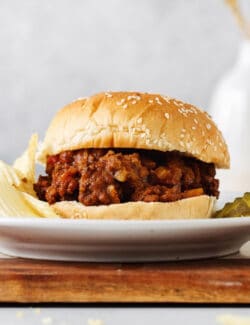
(122, 241)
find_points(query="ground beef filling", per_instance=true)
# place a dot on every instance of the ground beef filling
(105, 176)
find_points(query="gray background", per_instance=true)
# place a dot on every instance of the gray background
(52, 52)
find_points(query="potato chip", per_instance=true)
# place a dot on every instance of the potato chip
(9, 174)
(25, 166)
(41, 207)
(12, 202)
(15, 185)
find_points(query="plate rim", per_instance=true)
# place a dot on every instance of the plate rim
(61, 222)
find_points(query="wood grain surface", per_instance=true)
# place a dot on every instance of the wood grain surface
(210, 281)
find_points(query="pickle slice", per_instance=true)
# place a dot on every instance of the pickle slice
(240, 207)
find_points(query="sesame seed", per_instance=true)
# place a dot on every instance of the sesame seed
(182, 135)
(208, 126)
(166, 98)
(139, 120)
(181, 143)
(183, 130)
(193, 110)
(133, 102)
(183, 112)
(195, 121)
(120, 102)
(125, 106)
(158, 101)
(220, 144)
(108, 94)
(150, 101)
(193, 128)
(166, 115)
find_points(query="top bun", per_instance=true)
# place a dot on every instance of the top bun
(135, 120)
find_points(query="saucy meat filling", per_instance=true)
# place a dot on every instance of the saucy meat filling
(106, 176)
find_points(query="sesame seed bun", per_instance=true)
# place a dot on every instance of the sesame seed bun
(135, 120)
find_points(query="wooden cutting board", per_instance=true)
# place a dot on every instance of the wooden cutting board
(210, 281)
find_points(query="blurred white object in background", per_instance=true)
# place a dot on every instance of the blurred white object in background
(230, 109)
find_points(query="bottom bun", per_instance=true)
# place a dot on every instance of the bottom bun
(198, 207)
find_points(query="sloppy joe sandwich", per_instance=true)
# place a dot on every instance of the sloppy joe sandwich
(130, 155)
